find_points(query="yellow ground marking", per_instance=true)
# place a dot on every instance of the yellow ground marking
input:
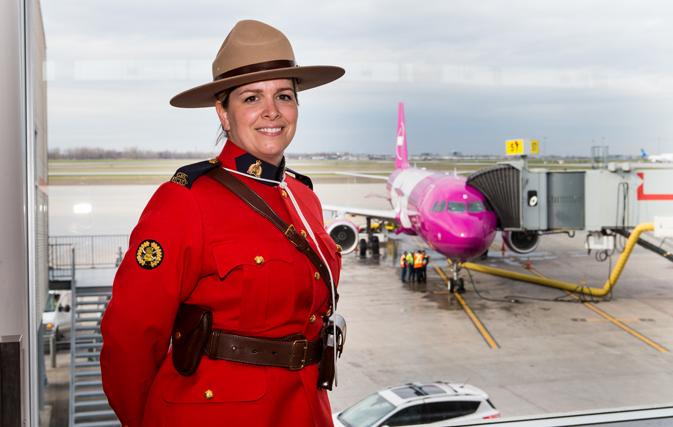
(608, 320)
(602, 313)
(477, 323)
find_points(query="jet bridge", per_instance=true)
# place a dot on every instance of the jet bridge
(532, 202)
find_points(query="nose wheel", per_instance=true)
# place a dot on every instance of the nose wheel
(456, 284)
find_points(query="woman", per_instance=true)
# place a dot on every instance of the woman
(199, 243)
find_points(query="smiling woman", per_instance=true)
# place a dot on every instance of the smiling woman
(244, 299)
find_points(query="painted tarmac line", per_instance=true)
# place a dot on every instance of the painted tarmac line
(473, 317)
(607, 317)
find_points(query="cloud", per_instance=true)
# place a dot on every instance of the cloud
(472, 74)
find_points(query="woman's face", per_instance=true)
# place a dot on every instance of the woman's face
(261, 118)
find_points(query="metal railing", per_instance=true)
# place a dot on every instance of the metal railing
(89, 252)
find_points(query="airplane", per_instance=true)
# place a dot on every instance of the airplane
(453, 218)
(666, 157)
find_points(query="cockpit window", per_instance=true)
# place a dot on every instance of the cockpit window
(456, 207)
(474, 207)
(439, 206)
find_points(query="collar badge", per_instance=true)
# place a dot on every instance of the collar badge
(255, 169)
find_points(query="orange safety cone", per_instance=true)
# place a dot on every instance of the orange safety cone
(528, 265)
(503, 249)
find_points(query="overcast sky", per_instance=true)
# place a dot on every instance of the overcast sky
(472, 74)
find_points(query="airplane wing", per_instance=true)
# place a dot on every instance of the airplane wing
(342, 211)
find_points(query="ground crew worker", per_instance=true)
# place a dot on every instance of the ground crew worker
(424, 269)
(404, 264)
(410, 263)
(418, 266)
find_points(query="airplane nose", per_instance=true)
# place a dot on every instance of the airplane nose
(464, 239)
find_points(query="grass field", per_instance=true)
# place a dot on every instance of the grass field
(133, 172)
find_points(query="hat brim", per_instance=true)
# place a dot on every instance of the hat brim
(309, 77)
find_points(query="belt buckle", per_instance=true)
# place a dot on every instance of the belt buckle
(304, 342)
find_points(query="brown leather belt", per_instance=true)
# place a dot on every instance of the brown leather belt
(288, 352)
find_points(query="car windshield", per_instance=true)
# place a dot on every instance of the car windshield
(366, 412)
(51, 304)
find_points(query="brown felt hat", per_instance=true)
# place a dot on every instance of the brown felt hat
(252, 52)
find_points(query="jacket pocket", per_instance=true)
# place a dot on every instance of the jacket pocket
(257, 281)
(226, 381)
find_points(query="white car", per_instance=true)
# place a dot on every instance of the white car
(56, 316)
(419, 404)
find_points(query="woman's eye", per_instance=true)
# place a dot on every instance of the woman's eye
(285, 97)
(250, 99)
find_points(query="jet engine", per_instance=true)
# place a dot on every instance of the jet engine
(521, 242)
(344, 233)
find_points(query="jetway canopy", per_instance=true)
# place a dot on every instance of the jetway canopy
(545, 200)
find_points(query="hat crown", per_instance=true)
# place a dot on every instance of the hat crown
(251, 42)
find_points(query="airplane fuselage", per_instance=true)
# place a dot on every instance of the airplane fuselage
(452, 217)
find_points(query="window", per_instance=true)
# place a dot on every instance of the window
(440, 208)
(407, 416)
(438, 411)
(367, 412)
(474, 207)
(456, 207)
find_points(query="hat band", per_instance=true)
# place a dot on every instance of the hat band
(253, 68)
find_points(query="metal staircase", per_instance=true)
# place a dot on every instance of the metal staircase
(88, 404)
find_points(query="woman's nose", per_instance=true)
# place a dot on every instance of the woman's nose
(271, 111)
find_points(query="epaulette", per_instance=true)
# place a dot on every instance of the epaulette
(301, 178)
(186, 175)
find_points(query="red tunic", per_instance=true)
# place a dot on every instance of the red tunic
(209, 240)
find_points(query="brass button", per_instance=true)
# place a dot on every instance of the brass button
(317, 276)
(208, 394)
(303, 233)
(339, 248)
(259, 260)
(178, 335)
(312, 319)
(284, 194)
(213, 161)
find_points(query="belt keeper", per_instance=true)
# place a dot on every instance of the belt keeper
(214, 342)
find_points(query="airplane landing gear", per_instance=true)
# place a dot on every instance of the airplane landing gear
(456, 284)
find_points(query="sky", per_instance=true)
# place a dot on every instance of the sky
(471, 74)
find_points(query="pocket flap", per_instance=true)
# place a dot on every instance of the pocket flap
(232, 253)
(228, 382)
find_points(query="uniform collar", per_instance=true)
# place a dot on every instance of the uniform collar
(234, 157)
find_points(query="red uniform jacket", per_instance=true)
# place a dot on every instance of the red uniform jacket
(204, 241)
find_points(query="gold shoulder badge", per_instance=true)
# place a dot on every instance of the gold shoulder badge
(256, 169)
(180, 178)
(149, 254)
(213, 161)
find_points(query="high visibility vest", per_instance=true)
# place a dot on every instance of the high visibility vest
(418, 260)
(425, 260)
(403, 261)
(410, 259)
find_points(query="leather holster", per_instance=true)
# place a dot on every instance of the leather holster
(190, 333)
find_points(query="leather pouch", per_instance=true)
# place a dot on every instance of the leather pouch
(190, 334)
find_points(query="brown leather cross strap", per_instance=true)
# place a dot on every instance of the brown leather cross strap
(258, 204)
(293, 352)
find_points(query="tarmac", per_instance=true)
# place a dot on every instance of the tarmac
(553, 353)
(547, 353)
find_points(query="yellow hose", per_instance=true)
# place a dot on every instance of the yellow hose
(596, 292)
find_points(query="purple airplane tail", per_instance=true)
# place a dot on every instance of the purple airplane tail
(401, 158)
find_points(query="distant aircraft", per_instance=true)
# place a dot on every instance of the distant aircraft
(666, 157)
(453, 218)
